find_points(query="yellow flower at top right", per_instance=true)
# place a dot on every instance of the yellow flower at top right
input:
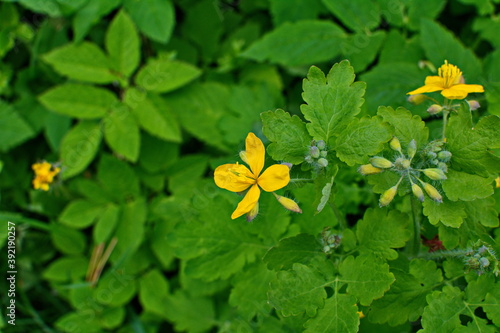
(449, 82)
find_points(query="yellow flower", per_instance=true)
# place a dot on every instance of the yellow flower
(44, 175)
(238, 178)
(450, 82)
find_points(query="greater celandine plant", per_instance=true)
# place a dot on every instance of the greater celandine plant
(435, 188)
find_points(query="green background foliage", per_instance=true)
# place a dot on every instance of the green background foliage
(139, 101)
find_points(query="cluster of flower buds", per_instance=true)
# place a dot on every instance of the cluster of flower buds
(330, 240)
(437, 156)
(481, 258)
(317, 154)
(402, 164)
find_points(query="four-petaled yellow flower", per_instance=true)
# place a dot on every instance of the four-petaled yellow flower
(44, 175)
(238, 178)
(449, 82)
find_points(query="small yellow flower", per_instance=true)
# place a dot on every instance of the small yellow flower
(497, 182)
(238, 178)
(44, 175)
(449, 82)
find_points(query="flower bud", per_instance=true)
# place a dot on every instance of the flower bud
(243, 156)
(417, 99)
(308, 159)
(253, 213)
(323, 153)
(321, 144)
(444, 156)
(432, 192)
(380, 162)
(497, 182)
(289, 165)
(323, 162)
(442, 166)
(435, 109)
(434, 173)
(314, 151)
(431, 155)
(402, 163)
(412, 148)
(395, 144)
(417, 191)
(473, 105)
(484, 262)
(288, 203)
(387, 196)
(368, 169)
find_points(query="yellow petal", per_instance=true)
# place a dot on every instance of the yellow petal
(454, 93)
(233, 177)
(274, 178)
(248, 203)
(255, 153)
(432, 83)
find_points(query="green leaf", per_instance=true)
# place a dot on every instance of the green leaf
(116, 288)
(296, 291)
(153, 291)
(106, 224)
(368, 278)
(130, 229)
(156, 155)
(123, 44)
(297, 249)
(332, 102)
(288, 134)
(90, 14)
(84, 61)
(470, 148)
(80, 213)
(397, 49)
(362, 138)
(249, 292)
(482, 211)
(70, 320)
(155, 18)
(326, 190)
(112, 318)
(79, 147)
(339, 315)
(443, 312)
(450, 213)
(190, 313)
(380, 231)
(56, 126)
(67, 239)
(407, 127)
(417, 10)
(492, 304)
(483, 6)
(66, 269)
(357, 15)
(111, 173)
(14, 130)
(440, 45)
(122, 133)
(78, 100)
(163, 75)
(466, 187)
(300, 43)
(362, 48)
(292, 11)
(158, 122)
(406, 299)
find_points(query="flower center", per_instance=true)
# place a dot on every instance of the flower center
(450, 73)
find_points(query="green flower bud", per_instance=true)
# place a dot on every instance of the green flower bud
(395, 144)
(432, 192)
(444, 156)
(402, 163)
(412, 148)
(323, 153)
(368, 169)
(434, 174)
(380, 162)
(431, 155)
(314, 151)
(321, 144)
(323, 162)
(417, 99)
(435, 109)
(308, 159)
(484, 262)
(387, 196)
(443, 166)
(417, 191)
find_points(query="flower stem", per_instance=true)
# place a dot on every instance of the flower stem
(415, 209)
(446, 112)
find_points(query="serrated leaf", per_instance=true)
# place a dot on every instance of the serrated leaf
(332, 101)
(357, 15)
(288, 136)
(450, 213)
(301, 43)
(380, 231)
(362, 138)
(155, 18)
(163, 75)
(13, 128)
(406, 299)
(297, 249)
(466, 187)
(339, 315)
(492, 304)
(407, 127)
(161, 124)
(80, 213)
(79, 147)
(442, 313)
(297, 291)
(323, 184)
(123, 44)
(84, 61)
(122, 134)
(326, 192)
(483, 211)
(78, 100)
(367, 277)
